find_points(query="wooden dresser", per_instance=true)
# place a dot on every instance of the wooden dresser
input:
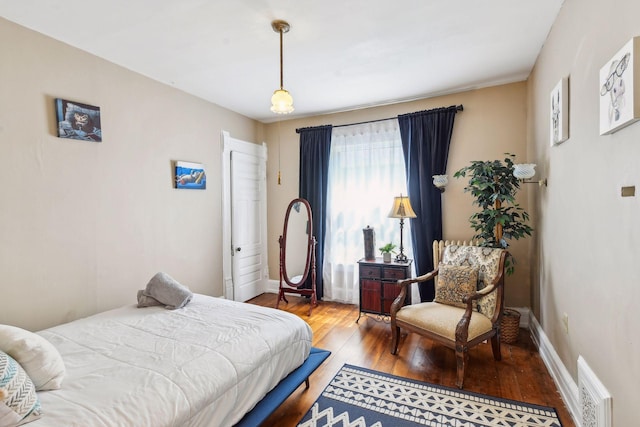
(378, 286)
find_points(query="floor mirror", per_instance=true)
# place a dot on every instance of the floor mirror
(298, 254)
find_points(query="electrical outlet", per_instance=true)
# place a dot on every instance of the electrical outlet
(565, 322)
(629, 191)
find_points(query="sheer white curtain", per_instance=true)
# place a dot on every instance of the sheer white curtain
(366, 171)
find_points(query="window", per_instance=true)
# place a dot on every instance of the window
(366, 171)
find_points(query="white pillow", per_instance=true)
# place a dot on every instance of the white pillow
(37, 356)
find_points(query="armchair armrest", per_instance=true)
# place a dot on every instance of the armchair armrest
(479, 294)
(400, 299)
(462, 329)
(422, 278)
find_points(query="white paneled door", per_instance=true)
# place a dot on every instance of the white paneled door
(245, 218)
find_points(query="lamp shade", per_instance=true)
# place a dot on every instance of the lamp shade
(524, 170)
(440, 181)
(281, 102)
(402, 208)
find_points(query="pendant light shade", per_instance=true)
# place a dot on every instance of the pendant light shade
(281, 101)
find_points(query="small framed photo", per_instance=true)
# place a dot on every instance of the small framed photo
(559, 117)
(619, 91)
(78, 121)
(190, 176)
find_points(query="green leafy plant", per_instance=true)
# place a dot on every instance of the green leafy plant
(500, 218)
(389, 248)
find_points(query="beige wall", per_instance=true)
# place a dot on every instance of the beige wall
(588, 242)
(84, 225)
(493, 122)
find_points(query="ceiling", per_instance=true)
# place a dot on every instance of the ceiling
(338, 55)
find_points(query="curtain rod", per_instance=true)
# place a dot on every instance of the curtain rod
(458, 108)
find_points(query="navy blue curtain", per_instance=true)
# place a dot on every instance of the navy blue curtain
(426, 136)
(315, 146)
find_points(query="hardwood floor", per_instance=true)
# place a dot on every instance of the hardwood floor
(520, 375)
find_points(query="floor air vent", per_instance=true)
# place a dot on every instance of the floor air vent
(595, 400)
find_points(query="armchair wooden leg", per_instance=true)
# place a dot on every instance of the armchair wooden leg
(461, 359)
(395, 333)
(495, 346)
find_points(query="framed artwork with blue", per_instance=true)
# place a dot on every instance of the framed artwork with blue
(78, 121)
(190, 175)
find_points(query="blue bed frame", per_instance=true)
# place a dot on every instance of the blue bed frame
(288, 385)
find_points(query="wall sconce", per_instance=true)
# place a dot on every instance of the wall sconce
(526, 171)
(440, 181)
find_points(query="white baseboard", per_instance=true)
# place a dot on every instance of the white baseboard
(273, 286)
(563, 379)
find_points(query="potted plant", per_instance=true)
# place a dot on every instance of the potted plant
(494, 187)
(386, 251)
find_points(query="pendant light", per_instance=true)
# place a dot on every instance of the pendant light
(281, 101)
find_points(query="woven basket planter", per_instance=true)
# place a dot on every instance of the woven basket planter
(509, 326)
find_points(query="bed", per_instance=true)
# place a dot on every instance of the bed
(206, 364)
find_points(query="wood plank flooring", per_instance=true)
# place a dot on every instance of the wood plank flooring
(520, 375)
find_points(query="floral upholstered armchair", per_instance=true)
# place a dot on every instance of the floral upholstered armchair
(467, 307)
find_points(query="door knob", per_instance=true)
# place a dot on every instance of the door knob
(238, 249)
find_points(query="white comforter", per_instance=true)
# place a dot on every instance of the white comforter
(206, 364)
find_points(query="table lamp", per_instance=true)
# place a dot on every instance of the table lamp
(401, 209)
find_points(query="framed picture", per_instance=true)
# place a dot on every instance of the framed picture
(190, 175)
(619, 94)
(559, 117)
(78, 121)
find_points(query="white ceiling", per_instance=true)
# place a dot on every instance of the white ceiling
(339, 55)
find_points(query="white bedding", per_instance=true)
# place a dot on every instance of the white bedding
(206, 364)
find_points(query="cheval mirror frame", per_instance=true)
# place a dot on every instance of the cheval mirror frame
(297, 233)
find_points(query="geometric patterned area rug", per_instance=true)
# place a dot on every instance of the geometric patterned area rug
(359, 397)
